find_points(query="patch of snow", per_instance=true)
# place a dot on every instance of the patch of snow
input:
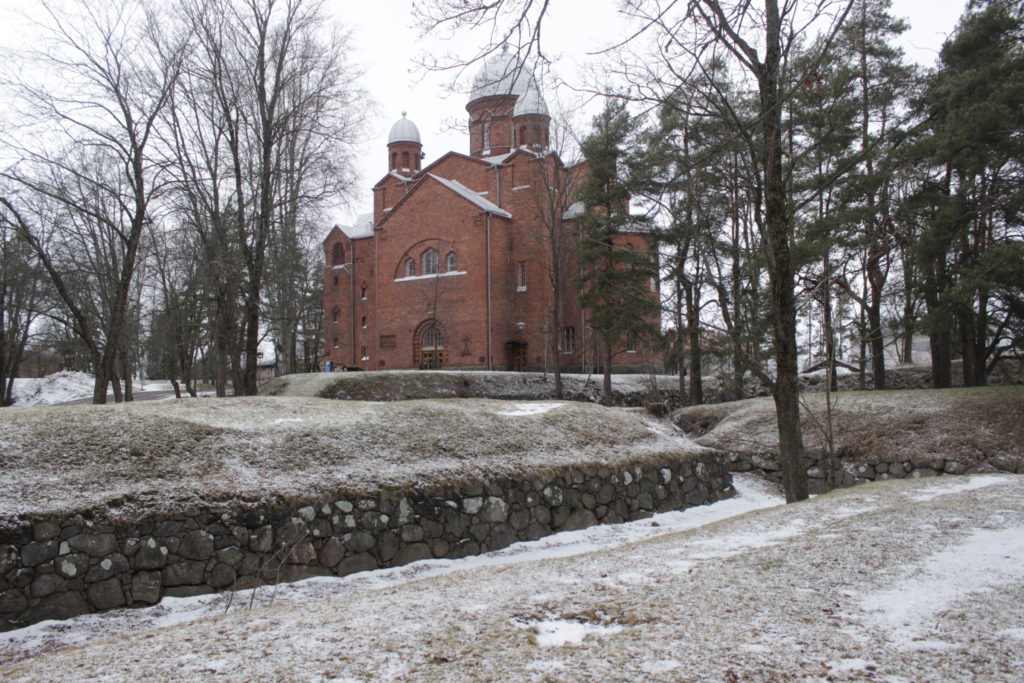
(963, 484)
(987, 560)
(851, 664)
(529, 409)
(66, 385)
(559, 632)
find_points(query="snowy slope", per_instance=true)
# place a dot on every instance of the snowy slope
(900, 580)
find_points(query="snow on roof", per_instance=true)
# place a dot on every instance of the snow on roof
(472, 196)
(362, 227)
(499, 159)
(404, 130)
(531, 102)
(500, 74)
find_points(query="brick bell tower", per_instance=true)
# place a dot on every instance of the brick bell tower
(496, 87)
(405, 151)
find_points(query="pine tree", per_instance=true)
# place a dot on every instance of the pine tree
(616, 271)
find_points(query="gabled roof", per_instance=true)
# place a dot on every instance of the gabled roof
(363, 227)
(458, 188)
(467, 193)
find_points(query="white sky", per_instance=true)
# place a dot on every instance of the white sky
(386, 44)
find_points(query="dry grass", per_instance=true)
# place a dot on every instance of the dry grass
(972, 424)
(123, 460)
(400, 385)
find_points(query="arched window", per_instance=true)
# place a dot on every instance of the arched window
(430, 262)
(394, 160)
(453, 263)
(405, 160)
(362, 291)
(337, 254)
(364, 322)
(522, 135)
(487, 135)
(336, 315)
(410, 268)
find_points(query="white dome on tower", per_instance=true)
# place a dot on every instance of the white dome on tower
(531, 101)
(404, 130)
(501, 74)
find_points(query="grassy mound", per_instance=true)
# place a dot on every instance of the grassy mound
(973, 425)
(128, 459)
(402, 385)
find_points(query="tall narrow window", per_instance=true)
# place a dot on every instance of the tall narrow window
(430, 262)
(453, 263)
(521, 277)
(336, 315)
(405, 160)
(410, 268)
(569, 339)
(364, 322)
(362, 292)
(337, 254)
(335, 342)
(363, 355)
(631, 342)
(487, 135)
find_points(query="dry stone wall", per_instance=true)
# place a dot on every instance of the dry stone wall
(58, 568)
(849, 472)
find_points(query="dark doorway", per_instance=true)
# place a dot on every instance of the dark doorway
(432, 349)
(517, 356)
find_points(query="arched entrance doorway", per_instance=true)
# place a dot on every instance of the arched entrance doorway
(431, 348)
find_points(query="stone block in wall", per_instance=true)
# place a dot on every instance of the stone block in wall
(196, 545)
(94, 545)
(46, 584)
(388, 544)
(580, 519)
(106, 568)
(59, 606)
(413, 553)
(331, 552)
(502, 535)
(72, 566)
(36, 553)
(45, 530)
(360, 562)
(262, 539)
(151, 554)
(183, 573)
(105, 594)
(302, 553)
(494, 510)
(221, 576)
(12, 601)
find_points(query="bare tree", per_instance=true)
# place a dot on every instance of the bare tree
(92, 95)
(264, 123)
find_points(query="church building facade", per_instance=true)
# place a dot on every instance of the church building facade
(453, 269)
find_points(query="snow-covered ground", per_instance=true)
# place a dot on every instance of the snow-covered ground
(66, 385)
(897, 581)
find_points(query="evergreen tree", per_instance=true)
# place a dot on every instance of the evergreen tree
(972, 200)
(616, 271)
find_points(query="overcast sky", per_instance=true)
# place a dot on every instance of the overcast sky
(386, 43)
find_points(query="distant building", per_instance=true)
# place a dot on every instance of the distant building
(451, 270)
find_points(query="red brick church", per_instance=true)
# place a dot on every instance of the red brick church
(453, 267)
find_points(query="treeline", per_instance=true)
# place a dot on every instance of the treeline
(902, 189)
(166, 166)
(809, 188)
